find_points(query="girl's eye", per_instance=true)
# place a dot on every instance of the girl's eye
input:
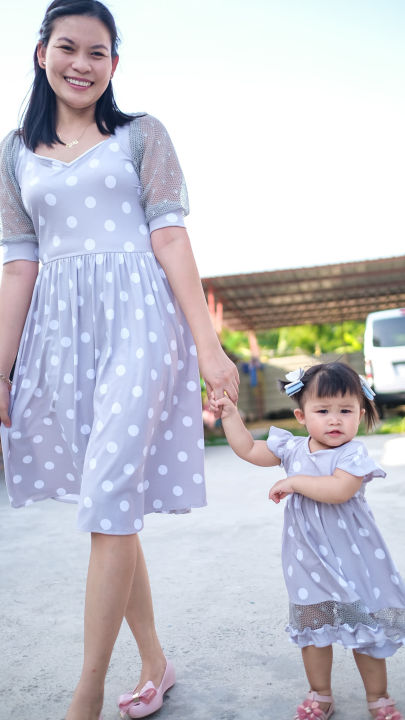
(65, 47)
(323, 412)
(346, 411)
(98, 54)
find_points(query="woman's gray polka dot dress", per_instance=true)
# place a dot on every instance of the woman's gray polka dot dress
(105, 406)
(342, 583)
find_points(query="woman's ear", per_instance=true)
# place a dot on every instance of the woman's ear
(299, 416)
(41, 55)
(114, 65)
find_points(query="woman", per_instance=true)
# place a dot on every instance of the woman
(105, 408)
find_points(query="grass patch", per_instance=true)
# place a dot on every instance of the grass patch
(391, 425)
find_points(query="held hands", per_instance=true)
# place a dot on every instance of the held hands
(223, 407)
(220, 375)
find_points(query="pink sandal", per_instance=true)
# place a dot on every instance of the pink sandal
(310, 710)
(386, 709)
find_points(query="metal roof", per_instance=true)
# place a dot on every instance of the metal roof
(322, 294)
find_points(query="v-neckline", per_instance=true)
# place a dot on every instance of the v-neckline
(67, 164)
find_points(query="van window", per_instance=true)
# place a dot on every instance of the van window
(389, 332)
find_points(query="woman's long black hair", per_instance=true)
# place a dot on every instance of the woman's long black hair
(39, 118)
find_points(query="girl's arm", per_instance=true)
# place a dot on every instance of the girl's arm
(172, 249)
(18, 280)
(334, 489)
(240, 439)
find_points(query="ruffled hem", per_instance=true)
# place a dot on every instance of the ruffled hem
(378, 642)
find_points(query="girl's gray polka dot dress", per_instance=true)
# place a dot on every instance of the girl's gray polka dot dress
(106, 405)
(342, 583)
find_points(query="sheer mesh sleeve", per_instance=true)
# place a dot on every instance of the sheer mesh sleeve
(15, 224)
(164, 189)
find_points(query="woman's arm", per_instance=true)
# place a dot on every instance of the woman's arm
(172, 249)
(18, 280)
(334, 489)
(239, 437)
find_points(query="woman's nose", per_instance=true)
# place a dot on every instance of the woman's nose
(81, 63)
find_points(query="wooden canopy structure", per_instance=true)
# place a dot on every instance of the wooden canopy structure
(309, 295)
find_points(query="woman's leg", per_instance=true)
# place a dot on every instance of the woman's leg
(318, 667)
(140, 618)
(373, 672)
(110, 578)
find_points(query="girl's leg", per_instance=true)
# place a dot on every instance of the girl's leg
(140, 618)
(373, 672)
(318, 668)
(109, 581)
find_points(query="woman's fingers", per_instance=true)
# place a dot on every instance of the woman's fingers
(4, 403)
(4, 417)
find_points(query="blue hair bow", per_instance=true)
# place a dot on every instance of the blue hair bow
(295, 384)
(367, 390)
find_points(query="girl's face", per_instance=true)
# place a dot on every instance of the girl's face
(77, 60)
(330, 421)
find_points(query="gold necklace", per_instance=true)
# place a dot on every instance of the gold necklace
(76, 140)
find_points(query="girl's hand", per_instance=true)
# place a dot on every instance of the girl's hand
(220, 376)
(223, 407)
(280, 490)
(4, 404)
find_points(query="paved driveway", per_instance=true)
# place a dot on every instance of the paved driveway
(219, 594)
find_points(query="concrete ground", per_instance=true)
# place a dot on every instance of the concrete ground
(219, 596)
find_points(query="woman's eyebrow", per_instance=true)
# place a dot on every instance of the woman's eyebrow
(65, 39)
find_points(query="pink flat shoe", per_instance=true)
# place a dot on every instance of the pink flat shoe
(310, 710)
(149, 699)
(386, 709)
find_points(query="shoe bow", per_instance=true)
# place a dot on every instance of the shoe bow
(309, 710)
(389, 713)
(146, 694)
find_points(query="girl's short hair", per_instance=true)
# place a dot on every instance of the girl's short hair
(331, 379)
(39, 118)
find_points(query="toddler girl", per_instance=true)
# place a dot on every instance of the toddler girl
(342, 583)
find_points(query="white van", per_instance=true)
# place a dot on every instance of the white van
(384, 354)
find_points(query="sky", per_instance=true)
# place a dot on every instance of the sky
(288, 118)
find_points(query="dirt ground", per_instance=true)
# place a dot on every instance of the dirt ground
(219, 595)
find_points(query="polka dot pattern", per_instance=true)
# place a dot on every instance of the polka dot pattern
(108, 355)
(333, 555)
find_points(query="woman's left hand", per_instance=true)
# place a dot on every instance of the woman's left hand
(220, 374)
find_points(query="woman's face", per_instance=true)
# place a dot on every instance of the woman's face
(77, 60)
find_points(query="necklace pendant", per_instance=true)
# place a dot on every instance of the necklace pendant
(70, 144)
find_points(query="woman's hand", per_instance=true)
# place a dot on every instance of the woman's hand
(4, 404)
(224, 407)
(220, 374)
(280, 490)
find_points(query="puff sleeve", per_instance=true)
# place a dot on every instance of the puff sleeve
(164, 194)
(17, 234)
(279, 442)
(355, 460)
